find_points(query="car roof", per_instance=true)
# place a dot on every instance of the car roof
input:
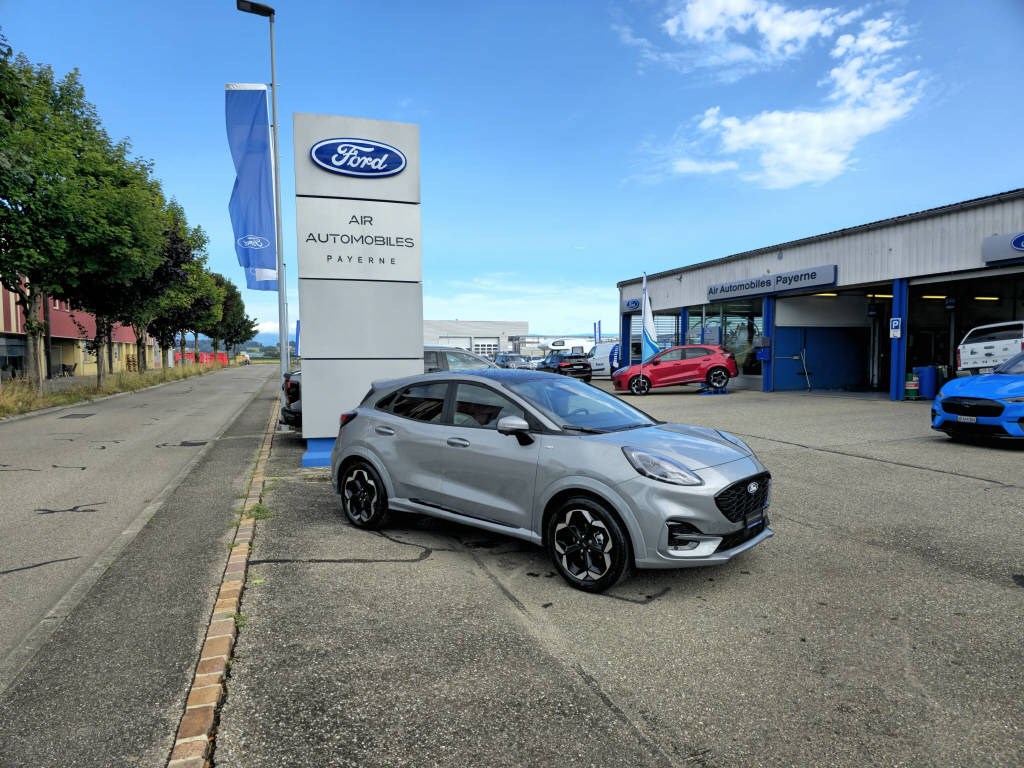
(501, 375)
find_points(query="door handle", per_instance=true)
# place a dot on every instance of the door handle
(381, 430)
(458, 442)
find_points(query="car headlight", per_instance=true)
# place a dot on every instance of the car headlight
(735, 441)
(658, 467)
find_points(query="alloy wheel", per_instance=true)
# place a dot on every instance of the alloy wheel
(360, 495)
(640, 385)
(584, 545)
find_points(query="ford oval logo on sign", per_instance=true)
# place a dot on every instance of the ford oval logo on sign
(633, 304)
(362, 158)
(253, 241)
(1018, 242)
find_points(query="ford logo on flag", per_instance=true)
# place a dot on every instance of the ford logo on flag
(633, 304)
(253, 241)
(1018, 242)
(363, 158)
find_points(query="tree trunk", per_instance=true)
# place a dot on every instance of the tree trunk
(183, 348)
(195, 352)
(109, 338)
(33, 331)
(47, 344)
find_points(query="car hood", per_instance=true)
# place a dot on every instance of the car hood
(691, 446)
(997, 385)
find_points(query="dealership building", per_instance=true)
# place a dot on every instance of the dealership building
(854, 310)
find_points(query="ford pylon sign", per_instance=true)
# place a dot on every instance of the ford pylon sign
(362, 158)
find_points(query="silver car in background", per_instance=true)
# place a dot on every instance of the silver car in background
(549, 459)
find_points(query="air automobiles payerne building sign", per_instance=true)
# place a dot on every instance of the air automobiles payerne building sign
(780, 282)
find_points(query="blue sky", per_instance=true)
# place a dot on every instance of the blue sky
(570, 144)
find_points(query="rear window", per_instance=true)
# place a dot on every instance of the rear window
(1007, 332)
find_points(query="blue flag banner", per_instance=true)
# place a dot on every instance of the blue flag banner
(259, 279)
(252, 199)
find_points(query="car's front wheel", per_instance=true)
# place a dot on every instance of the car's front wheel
(363, 498)
(639, 385)
(587, 545)
(718, 378)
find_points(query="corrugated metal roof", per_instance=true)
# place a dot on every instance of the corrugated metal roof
(895, 221)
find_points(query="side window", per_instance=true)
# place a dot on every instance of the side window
(459, 361)
(430, 362)
(421, 402)
(696, 352)
(672, 356)
(477, 406)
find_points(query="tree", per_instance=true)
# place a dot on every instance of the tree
(235, 327)
(123, 242)
(46, 127)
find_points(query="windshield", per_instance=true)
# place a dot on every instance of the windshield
(1014, 366)
(574, 405)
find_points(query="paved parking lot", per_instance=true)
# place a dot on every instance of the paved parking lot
(881, 626)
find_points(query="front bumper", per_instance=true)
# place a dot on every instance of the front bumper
(1007, 425)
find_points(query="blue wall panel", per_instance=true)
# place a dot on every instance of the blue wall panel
(835, 358)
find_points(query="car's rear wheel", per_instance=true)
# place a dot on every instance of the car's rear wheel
(718, 378)
(363, 498)
(587, 545)
(639, 385)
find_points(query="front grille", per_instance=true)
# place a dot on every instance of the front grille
(972, 406)
(736, 501)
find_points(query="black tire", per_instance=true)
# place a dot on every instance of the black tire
(587, 545)
(718, 378)
(586, 379)
(639, 385)
(363, 497)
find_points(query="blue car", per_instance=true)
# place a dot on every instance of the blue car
(988, 406)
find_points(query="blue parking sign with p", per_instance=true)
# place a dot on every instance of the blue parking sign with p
(895, 327)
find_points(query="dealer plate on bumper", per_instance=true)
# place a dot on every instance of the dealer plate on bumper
(754, 518)
(967, 419)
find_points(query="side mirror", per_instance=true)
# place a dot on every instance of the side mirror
(656, 362)
(515, 425)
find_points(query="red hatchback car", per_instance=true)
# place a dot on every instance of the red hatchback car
(688, 364)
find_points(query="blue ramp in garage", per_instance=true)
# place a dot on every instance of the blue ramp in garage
(836, 358)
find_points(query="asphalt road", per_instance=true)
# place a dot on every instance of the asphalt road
(115, 525)
(881, 626)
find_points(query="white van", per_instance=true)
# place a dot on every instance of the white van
(604, 359)
(986, 346)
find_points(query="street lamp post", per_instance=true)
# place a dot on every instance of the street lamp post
(259, 9)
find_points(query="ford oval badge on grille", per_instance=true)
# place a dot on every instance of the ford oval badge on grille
(362, 158)
(753, 488)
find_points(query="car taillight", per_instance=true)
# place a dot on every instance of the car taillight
(346, 418)
(564, 365)
(958, 356)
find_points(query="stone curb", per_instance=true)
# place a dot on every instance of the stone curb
(193, 743)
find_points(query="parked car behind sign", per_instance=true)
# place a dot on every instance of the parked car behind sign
(688, 364)
(986, 406)
(549, 459)
(566, 364)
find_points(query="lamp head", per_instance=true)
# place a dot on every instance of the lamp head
(258, 8)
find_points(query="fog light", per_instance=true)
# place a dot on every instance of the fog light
(683, 535)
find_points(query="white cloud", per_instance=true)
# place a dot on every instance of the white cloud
(755, 32)
(867, 90)
(686, 165)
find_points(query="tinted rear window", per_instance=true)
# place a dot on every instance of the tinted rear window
(1007, 332)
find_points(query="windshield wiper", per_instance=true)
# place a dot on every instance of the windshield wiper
(588, 430)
